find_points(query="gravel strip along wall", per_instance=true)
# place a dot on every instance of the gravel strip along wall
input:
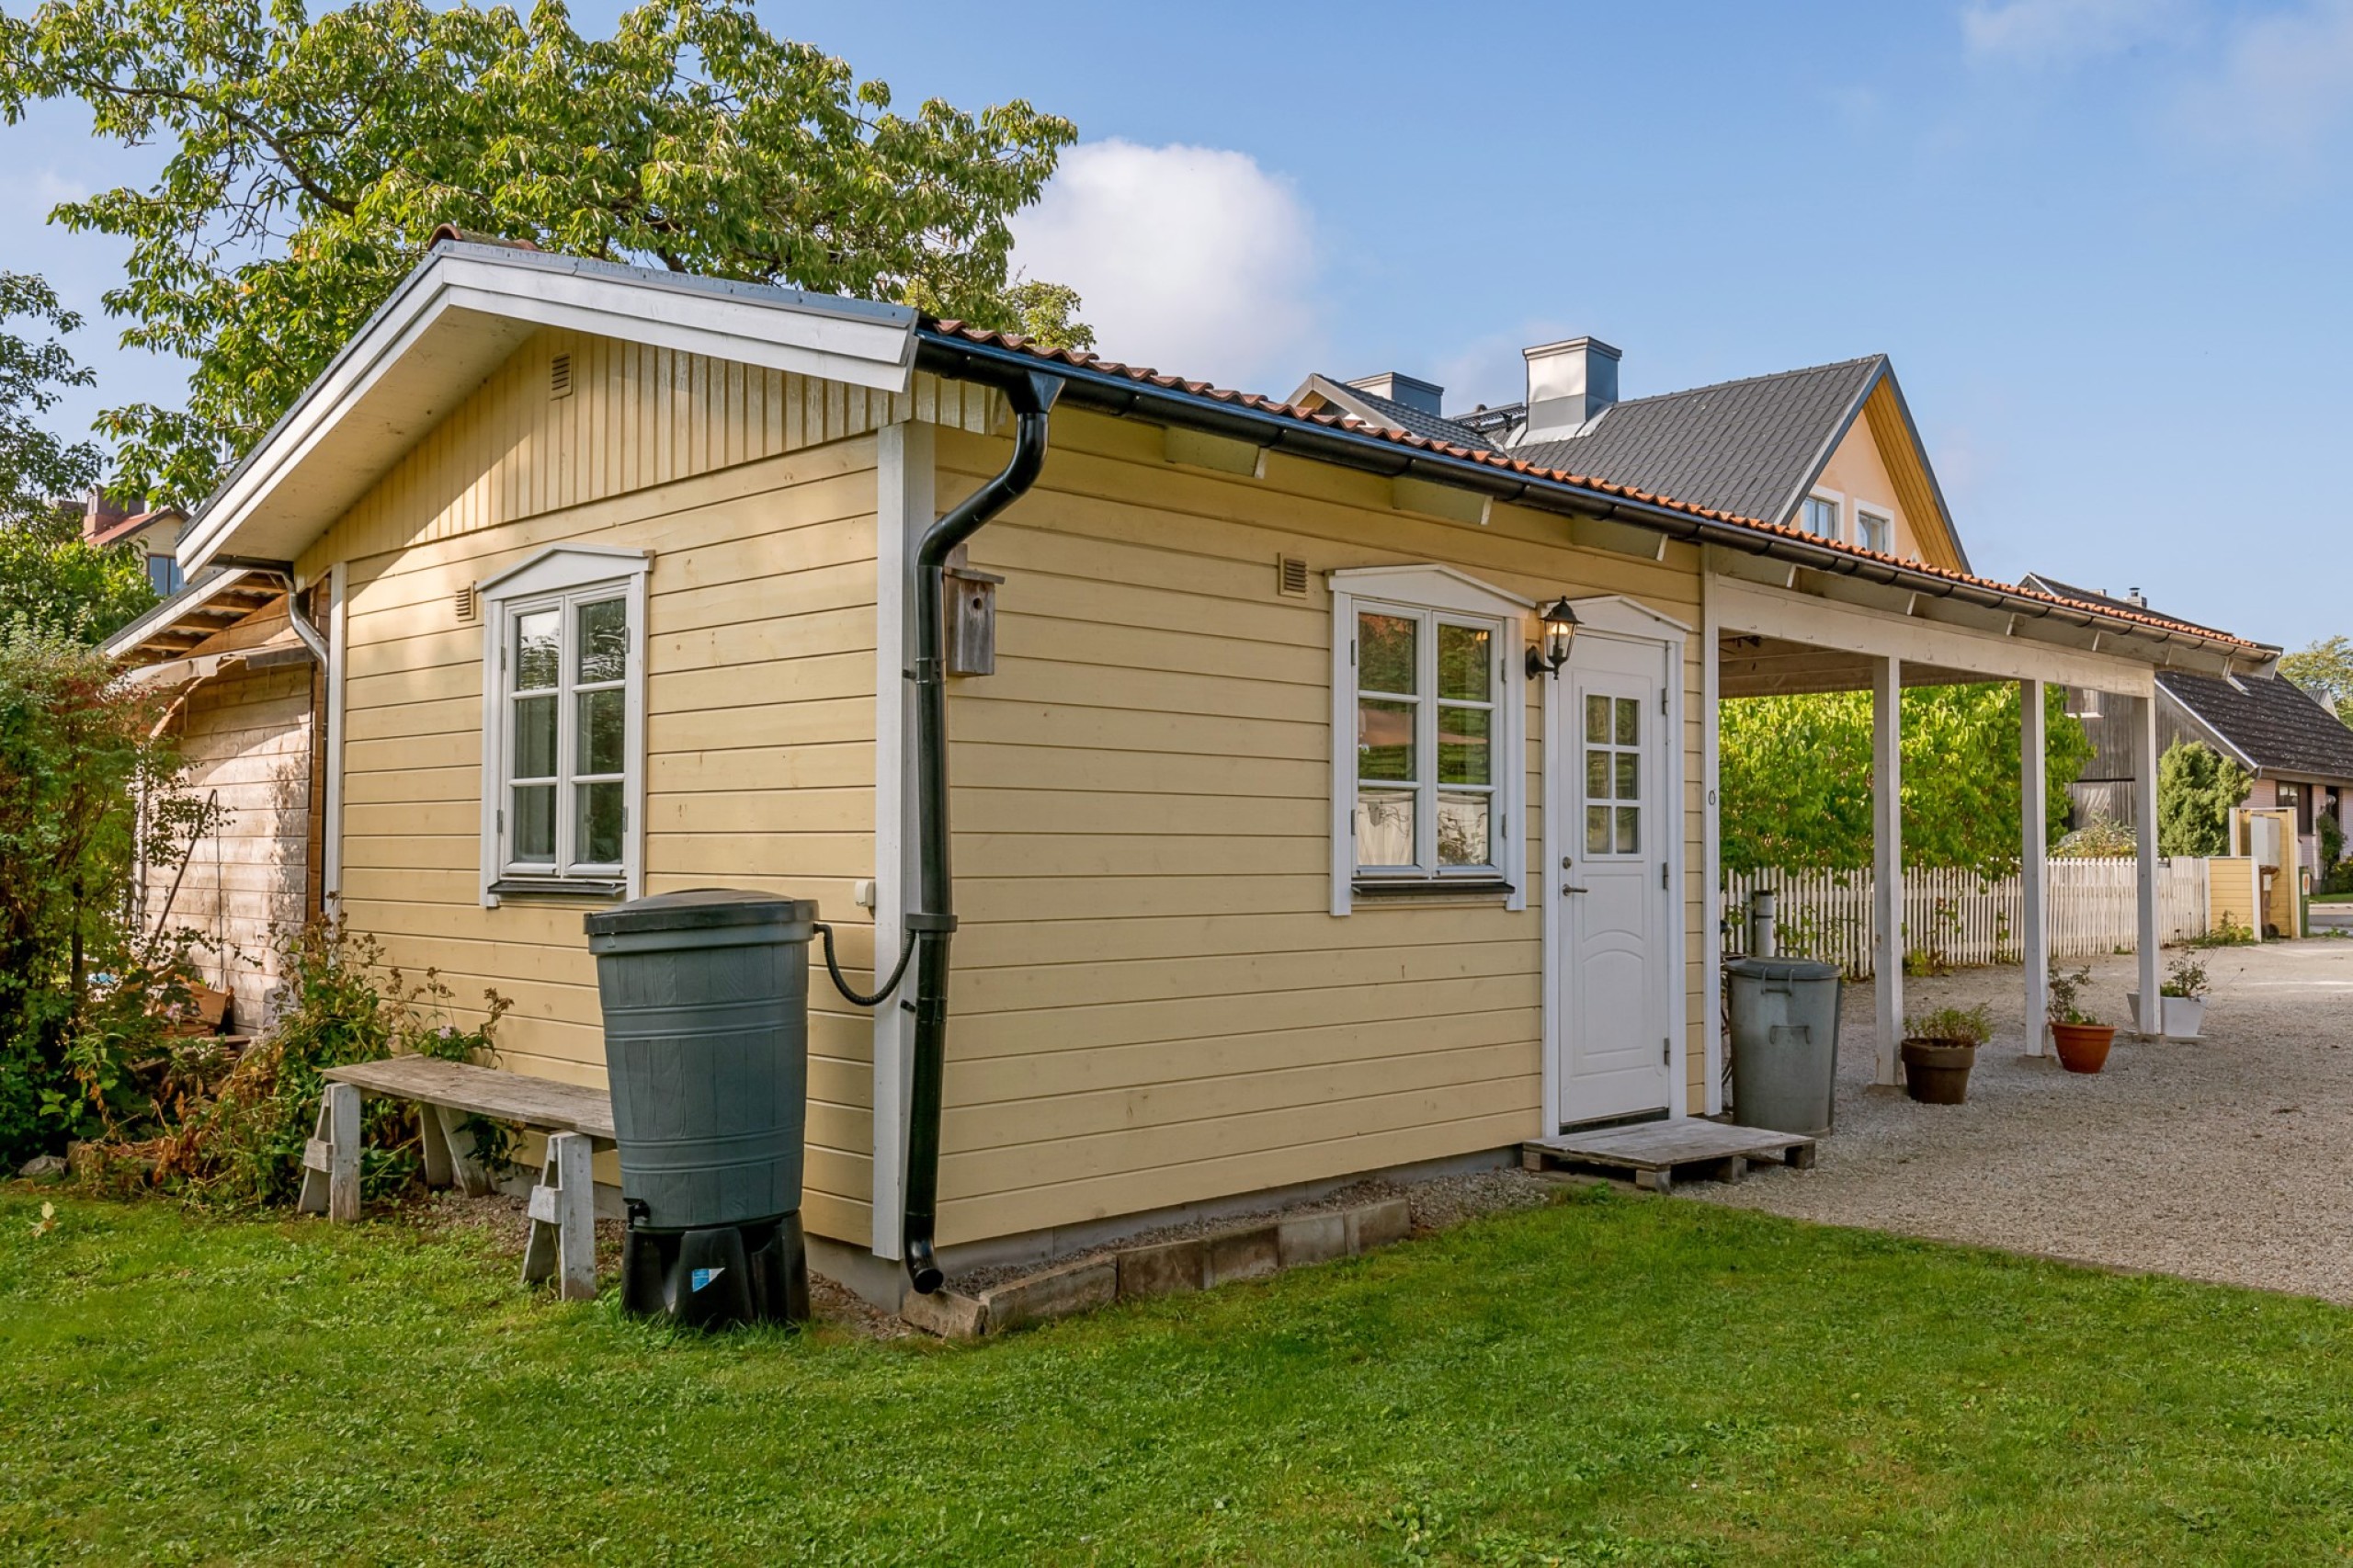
(2228, 1158)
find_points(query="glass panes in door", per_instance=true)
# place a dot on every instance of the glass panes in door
(1613, 775)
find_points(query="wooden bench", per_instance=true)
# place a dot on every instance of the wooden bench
(577, 1120)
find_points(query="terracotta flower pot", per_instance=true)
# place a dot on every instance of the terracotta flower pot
(2083, 1048)
(1937, 1072)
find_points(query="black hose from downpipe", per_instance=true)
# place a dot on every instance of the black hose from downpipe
(907, 950)
(1032, 395)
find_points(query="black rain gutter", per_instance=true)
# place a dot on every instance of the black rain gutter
(1107, 392)
(1031, 391)
(296, 617)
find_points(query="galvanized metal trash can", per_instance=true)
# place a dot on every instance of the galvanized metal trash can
(1784, 1043)
(706, 1006)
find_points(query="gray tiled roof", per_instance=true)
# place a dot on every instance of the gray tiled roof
(1741, 447)
(2275, 723)
(1429, 426)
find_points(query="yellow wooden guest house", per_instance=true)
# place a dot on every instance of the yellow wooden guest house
(1292, 839)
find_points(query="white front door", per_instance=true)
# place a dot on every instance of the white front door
(1615, 974)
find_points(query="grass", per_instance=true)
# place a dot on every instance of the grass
(1608, 1381)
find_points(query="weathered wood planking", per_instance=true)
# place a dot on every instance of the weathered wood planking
(1653, 1150)
(538, 1103)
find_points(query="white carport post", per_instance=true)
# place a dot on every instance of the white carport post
(2034, 862)
(1887, 858)
(2144, 849)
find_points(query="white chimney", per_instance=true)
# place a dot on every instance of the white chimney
(1568, 384)
(1399, 386)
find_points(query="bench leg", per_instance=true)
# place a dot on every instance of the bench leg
(433, 1144)
(470, 1177)
(563, 1220)
(331, 1159)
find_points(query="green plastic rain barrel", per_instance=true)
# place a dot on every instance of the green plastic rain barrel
(1784, 1043)
(706, 1003)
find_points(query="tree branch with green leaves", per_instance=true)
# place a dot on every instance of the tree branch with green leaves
(310, 160)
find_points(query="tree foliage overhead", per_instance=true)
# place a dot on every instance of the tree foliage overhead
(2196, 786)
(48, 578)
(2323, 668)
(1795, 778)
(311, 160)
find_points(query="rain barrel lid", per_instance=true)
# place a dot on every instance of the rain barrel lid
(1781, 969)
(700, 909)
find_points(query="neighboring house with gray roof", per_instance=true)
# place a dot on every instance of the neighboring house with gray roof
(1830, 450)
(2299, 753)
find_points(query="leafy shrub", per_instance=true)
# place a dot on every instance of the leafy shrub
(2066, 988)
(1950, 1026)
(242, 1143)
(2102, 838)
(2227, 931)
(2184, 977)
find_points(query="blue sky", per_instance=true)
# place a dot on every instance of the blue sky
(2104, 240)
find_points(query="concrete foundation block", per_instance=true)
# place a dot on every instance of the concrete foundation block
(1165, 1269)
(1251, 1252)
(1056, 1293)
(1378, 1224)
(1311, 1238)
(945, 1313)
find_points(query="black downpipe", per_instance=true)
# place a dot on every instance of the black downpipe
(1032, 395)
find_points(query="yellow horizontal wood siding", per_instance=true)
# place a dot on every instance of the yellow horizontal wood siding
(756, 495)
(1152, 1005)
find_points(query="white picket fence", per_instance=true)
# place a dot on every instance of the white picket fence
(1960, 918)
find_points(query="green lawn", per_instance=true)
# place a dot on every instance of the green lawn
(1612, 1380)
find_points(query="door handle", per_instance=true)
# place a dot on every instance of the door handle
(1565, 888)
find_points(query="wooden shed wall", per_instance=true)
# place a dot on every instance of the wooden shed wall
(1152, 1003)
(247, 736)
(756, 492)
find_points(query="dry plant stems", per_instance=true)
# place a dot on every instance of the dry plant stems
(240, 1139)
(2066, 988)
(1950, 1026)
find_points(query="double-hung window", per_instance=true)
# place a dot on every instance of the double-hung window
(1429, 683)
(1820, 515)
(1874, 530)
(563, 724)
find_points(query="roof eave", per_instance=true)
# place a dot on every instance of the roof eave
(456, 317)
(951, 354)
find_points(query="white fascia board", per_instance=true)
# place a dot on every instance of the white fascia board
(457, 318)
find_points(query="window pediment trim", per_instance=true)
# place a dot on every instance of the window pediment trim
(563, 566)
(1432, 587)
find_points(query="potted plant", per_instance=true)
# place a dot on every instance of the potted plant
(2082, 1040)
(2183, 991)
(1939, 1047)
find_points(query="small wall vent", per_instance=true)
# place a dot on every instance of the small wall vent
(560, 376)
(462, 603)
(1291, 577)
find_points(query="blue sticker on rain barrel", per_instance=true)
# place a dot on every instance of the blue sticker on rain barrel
(702, 1277)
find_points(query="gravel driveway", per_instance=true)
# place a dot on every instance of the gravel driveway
(2228, 1158)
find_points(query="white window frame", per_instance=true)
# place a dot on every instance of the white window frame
(1436, 594)
(562, 576)
(1838, 502)
(1866, 516)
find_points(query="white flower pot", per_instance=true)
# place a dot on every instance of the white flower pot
(2183, 1016)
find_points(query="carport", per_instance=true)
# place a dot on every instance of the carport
(1775, 626)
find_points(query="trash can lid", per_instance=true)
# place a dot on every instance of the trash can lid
(1781, 969)
(700, 909)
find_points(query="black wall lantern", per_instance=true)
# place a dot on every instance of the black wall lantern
(1560, 630)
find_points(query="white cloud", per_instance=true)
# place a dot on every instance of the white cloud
(2286, 81)
(1189, 259)
(2061, 32)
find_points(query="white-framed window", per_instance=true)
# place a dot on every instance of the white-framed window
(163, 574)
(563, 724)
(1874, 530)
(1429, 763)
(1819, 515)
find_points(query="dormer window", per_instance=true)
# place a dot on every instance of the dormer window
(1875, 531)
(1820, 516)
